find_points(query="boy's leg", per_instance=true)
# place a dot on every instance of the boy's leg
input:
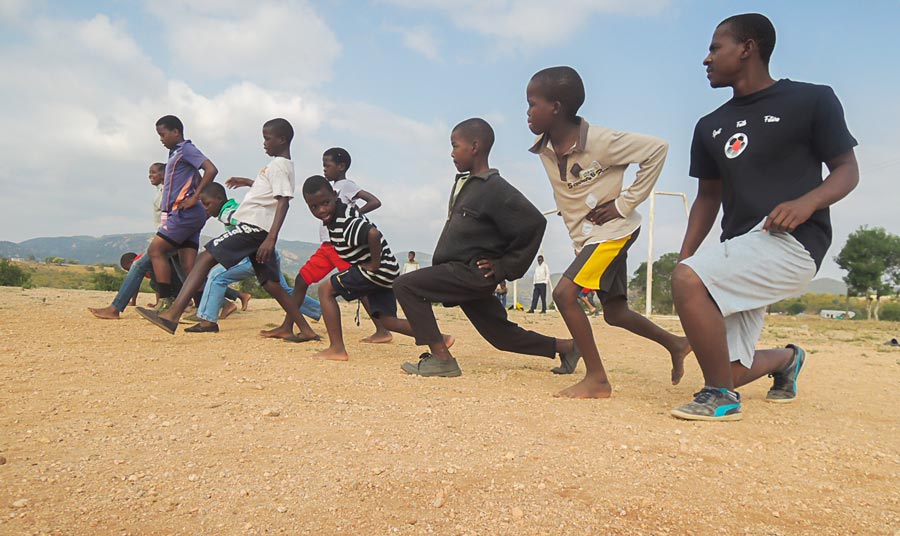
(617, 313)
(331, 312)
(543, 296)
(595, 383)
(315, 269)
(534, 298)
(128, 288)
(382, 334)
(194, 282)
(217, 281)
(159, 251)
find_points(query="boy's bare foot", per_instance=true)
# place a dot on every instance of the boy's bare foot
(332, 355)
(227, 309)
(106, 313)
(379, 337)
(276, 333)
(678, 360)
(245, 299)
(587, 388)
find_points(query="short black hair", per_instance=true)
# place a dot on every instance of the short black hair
(214, 190)
(316, 184)
(171, 123)
(477, 129)
(127, 259)
(339, 155)
(753, 26)
(157, 165)
(281, 127)
(562, 84)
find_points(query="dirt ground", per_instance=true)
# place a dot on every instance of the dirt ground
(115, 427)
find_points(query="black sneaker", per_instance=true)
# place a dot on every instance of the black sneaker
(711, 404)
(569, 361)
(784, 386)
(429, 365)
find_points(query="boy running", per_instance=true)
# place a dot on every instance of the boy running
(760, 157)
(586, 165)
(259, 219)
(492, 234)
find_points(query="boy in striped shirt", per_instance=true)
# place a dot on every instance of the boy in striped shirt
(372, 271)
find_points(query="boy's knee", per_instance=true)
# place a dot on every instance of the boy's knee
(325, 289)
(685, 280)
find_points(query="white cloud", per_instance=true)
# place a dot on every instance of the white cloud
(531, 23)
(421, 40)
(282, 44)
(14, 10)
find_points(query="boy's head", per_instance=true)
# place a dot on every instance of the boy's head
(737, 41)
(554, 94)
(320, 197)
(157, 173)
(277, 135)
(213, 197)
(126, 260)
(472, 139)
(335, 163)
(411, 256)
(170, 130)
(540, 259)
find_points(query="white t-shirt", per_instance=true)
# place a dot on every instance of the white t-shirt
(157, 202)
(346, 191)
(542, 274)
(258, 206)
(410, 267)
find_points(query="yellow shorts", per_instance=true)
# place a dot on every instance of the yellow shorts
(603, 266)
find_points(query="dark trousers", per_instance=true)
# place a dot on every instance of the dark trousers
(416, 291)
(540, 291)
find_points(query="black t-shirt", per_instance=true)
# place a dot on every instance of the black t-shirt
(768, 148)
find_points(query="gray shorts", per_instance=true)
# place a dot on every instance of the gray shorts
(744, 275)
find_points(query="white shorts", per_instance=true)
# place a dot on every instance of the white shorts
(745, 274)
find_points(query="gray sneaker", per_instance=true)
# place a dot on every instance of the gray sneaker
(569, 361)
(711, 404)
(784, 386)
(429, 365)
(164, 303)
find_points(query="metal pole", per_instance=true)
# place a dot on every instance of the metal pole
(649, 292)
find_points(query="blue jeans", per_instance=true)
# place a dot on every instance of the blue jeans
(136, 274)
(219, 278)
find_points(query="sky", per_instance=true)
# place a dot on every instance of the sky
(84, 83)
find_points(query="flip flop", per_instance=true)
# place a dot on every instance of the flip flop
(153, 316)
(294, 338)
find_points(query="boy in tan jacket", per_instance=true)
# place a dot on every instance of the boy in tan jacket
(585, 165)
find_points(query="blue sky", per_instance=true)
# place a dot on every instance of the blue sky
(84, 83)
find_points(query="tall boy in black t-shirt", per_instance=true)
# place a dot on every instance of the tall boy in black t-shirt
(760, 157)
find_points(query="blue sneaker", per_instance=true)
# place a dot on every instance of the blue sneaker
(711, 404)
(784, 388)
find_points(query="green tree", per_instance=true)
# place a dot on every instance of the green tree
(662, 282)
(12, 275)
(871, 258)
(107, 281)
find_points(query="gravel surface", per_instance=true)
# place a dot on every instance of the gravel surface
(114, 427)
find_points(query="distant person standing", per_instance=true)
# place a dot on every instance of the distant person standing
(157, 176)
(501, 291)
(411, 264)
(541, 280)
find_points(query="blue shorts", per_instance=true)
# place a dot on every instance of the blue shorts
(352, 285)
(182, 227)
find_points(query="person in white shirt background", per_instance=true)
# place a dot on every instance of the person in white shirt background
(541, 279)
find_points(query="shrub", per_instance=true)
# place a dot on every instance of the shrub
(107, 281)
(12, 275)
(890, 312)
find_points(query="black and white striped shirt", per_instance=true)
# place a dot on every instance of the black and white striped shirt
(349, 234)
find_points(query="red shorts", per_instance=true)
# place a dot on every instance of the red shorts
(322, 262)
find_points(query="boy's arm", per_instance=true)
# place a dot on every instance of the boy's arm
(703, 216)
(522, 224)
(237, 182)
(649, 152)
(209, 173)
(374, 239)
(842, 179)
(371, 202)
(267, 250)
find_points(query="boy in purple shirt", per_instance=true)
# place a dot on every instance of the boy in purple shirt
(182, 216)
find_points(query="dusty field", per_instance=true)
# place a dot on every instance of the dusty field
(114, 427)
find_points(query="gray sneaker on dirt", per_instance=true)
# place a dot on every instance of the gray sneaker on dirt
(569, 361)
(163, 304)
(711, 404)
(429, 365)
(784, 386)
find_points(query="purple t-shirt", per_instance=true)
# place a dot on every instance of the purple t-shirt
(182, 175)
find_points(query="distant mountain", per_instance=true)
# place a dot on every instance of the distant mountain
(826, 285)
(108, 249)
